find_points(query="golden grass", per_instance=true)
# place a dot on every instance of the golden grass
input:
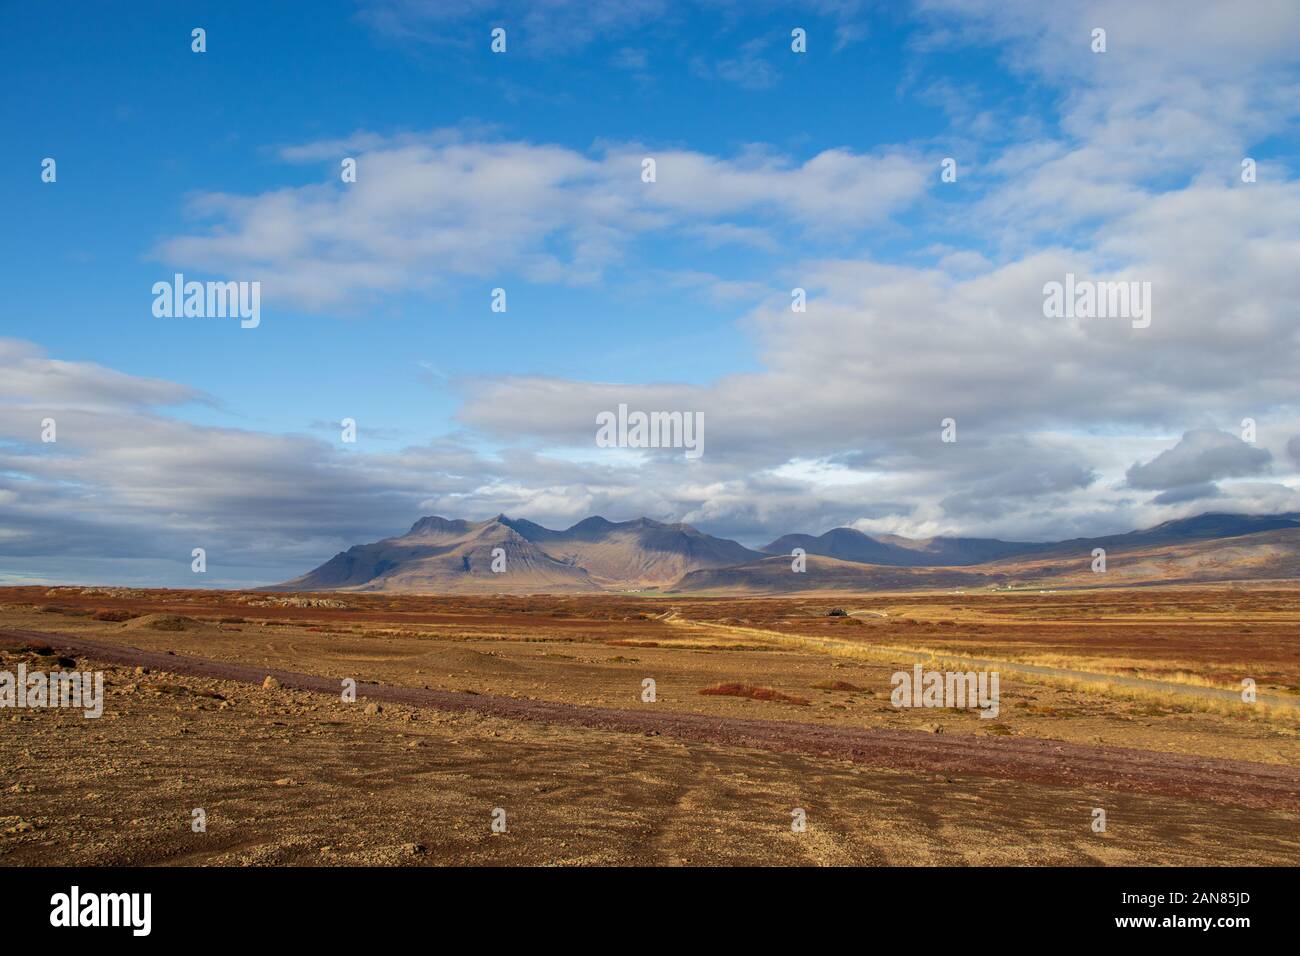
(1172, 700)
(1260, 710)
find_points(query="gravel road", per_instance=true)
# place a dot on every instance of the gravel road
(1232, 782)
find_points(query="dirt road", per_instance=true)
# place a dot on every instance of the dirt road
(1229, 782)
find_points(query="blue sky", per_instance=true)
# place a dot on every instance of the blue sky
(138, 123)
(520, 171)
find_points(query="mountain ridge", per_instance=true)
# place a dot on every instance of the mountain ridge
(595, 555)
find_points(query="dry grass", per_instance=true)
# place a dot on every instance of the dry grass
(1176, 702)
(113, 616)
(1261, 710)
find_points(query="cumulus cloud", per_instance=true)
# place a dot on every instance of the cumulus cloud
(1184, 87)
(1202, 456)
(438, 206)
(885, 352)
(34, 380)
(1184, 493)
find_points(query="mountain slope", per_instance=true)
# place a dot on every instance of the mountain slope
(441, 555)
(773, 575)
(849, 544)
(1259, 556)
(844, 544)
(438, 556)
(642, 553)
(1203, 527)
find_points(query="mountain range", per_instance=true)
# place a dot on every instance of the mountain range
(514, 556)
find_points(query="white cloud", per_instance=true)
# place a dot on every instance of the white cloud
(428, 208)
(1201, 457)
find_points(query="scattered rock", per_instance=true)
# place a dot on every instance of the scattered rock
(372, 709)
(270, 683)
(295, 602)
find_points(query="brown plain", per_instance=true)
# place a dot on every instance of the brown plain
(533, 705)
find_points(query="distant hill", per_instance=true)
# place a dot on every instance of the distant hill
(452, 556)
(1209, 526)
(1177, 552)
(1271, 555)
(849, 544)
(439, 555)
(773, 575)
(636, 554)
